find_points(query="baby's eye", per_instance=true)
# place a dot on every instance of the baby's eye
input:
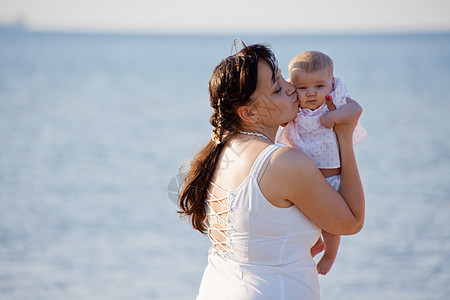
(320, 86)
(302, 88)
(277, 91)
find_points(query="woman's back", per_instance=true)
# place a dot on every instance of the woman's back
(262, 251)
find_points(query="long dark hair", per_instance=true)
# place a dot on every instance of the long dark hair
(231, 85)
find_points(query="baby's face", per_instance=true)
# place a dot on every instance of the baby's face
(312, 87)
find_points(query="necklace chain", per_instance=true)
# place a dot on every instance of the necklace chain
(255, 134)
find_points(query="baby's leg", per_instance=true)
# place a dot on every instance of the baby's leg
(331, 241)
(318, 247)
(331, 247)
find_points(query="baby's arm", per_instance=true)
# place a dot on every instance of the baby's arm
(345, 114)
(331, 247)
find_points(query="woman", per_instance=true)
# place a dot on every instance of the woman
(263, 205)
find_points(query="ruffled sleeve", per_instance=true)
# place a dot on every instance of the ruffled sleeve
(359, 134)
(339, 96)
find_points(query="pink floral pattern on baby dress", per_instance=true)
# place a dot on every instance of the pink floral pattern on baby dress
(319, 143)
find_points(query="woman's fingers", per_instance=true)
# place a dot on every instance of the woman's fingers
(329, 103)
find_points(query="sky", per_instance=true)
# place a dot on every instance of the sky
(210, 16)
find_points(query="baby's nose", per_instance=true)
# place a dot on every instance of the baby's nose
(310, 91)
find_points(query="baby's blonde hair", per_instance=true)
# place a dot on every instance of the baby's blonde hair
(311, 61)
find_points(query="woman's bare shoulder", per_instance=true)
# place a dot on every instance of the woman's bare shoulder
(288, 166)
(289, 174)
(286, 158)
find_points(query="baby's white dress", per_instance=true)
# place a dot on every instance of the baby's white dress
(268, 248)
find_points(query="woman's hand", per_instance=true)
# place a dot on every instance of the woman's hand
(329, 103)
(326, 120)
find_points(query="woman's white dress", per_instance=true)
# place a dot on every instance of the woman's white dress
(267, 250)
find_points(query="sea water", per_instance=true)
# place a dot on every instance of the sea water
(94, 127)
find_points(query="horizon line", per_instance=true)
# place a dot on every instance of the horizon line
(22, 28)
(21, 25)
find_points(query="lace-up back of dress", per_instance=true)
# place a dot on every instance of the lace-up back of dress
(217, 217)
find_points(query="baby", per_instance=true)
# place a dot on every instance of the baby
(311, 73)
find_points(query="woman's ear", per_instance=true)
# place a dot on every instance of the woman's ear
(247, 115)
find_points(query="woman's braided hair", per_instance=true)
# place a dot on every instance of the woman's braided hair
(230, 87)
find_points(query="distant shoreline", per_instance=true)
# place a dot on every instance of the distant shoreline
(25, 30)
(20, 26)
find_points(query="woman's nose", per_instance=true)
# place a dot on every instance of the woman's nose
(290, 89)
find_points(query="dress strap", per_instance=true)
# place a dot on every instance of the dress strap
(262, 159)
(219, 187)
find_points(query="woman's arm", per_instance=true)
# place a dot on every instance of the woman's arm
(297, 180)
(351, 188)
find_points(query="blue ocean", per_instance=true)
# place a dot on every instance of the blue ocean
(94, 127)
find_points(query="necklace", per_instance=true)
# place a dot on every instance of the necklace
(255, 134)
